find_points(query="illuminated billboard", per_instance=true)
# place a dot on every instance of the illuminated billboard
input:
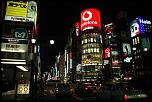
(77, 26)
(144, 24)
(90, 18)
(23, 11)
(19, 8)
(107, 52)
(9, 47)
(134, 28)
(126, 49)
(23, 88)
(146, 43)
(140, 26)
(17, 30)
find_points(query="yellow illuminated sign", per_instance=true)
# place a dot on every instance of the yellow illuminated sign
(23, 89)
(16, 8)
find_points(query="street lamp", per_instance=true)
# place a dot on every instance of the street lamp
(52, 42)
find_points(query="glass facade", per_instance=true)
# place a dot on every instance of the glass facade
(91, 53)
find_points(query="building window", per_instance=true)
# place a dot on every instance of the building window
(91, 50)
(133, 41)
(97, 49)
(85, 40)
(84, 51)
(88, 50)
(138, 40)
(82, 42)
(91, 39)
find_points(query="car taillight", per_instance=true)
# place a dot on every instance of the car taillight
(126, 97)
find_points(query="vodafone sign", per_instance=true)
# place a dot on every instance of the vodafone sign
(90, 18)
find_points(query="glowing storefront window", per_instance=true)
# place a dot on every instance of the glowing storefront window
(91, 39)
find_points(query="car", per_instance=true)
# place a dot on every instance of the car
(63, 90)
(109, 91)
(85, 89)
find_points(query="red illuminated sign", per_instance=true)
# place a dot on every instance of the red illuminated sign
(90, 18)
(77, 26)
(107, 52)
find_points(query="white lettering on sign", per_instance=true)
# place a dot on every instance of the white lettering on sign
(144, 21)
(88, 22)
(21, 19)
(7, 47)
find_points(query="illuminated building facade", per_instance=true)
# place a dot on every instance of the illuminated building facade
(19, 53)
(112, 63)
(124, 44)
(140, 29)
(91, 46)
(75, 51)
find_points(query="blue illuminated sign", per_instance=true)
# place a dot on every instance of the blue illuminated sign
(143, 25)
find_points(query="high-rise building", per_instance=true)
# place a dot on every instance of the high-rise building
(141, 48)
(91, 45)
(112, 62)
(124, 43)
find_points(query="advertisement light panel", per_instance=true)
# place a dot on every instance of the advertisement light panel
(23, 89)
(77, 26)
(134, 28)
(126, 49)
(144, 24)
(19, 19)
(32, 8)
(115, 53)
(20, 33)
(146, 43)
(14, 8)
(90, 17)
(107, 52)
(8, 47)
(108, 29)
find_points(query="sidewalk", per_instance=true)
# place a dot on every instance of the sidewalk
(9, 95)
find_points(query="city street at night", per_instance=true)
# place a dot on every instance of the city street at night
(86, 50)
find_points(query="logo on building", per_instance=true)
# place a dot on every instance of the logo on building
(90, 18)
(87, 15)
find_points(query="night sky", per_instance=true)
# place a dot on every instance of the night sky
(55, 18)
